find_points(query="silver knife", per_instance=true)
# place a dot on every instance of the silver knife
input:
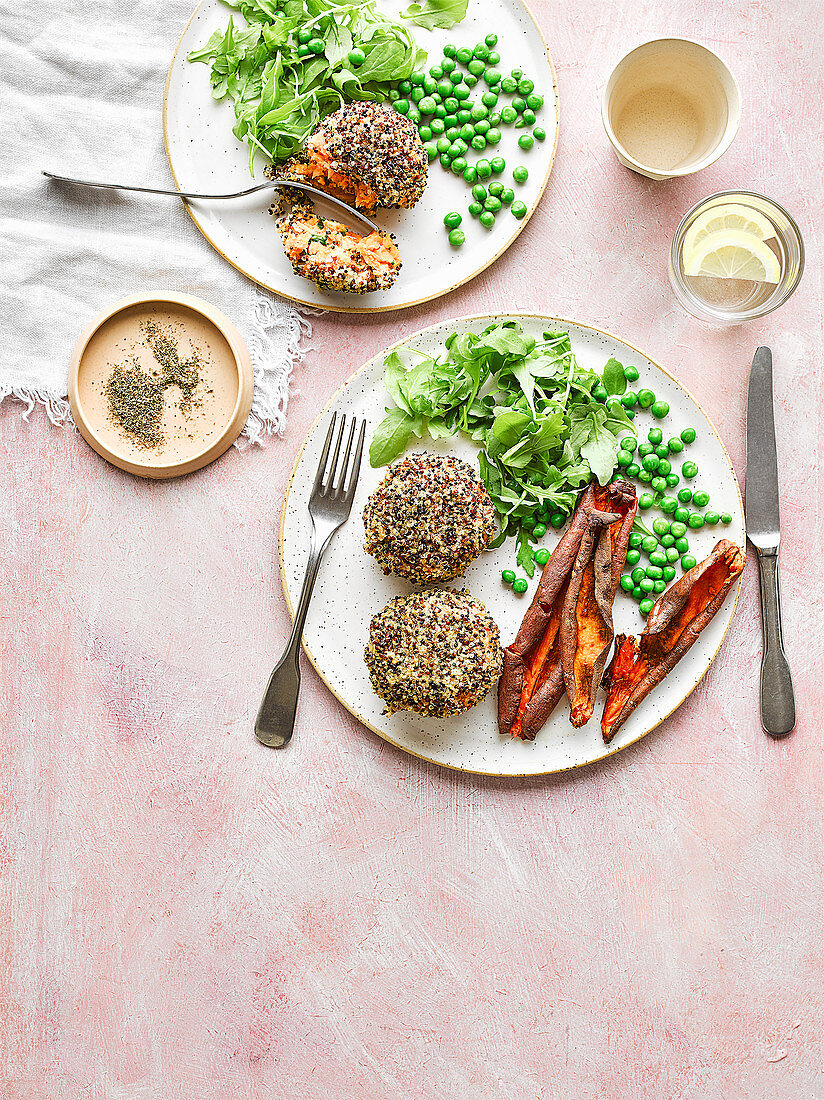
(764, 532)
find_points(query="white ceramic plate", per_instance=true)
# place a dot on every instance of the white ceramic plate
(204, 155)
(351, 588)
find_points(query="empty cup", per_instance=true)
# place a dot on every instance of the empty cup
(670, 108)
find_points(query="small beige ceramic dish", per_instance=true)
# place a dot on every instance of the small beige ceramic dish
(192, 433)
(670, 108)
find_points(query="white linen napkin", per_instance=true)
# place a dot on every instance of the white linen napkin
(82, 94)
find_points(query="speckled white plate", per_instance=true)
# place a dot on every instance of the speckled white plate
(351, 587)
(205, 156)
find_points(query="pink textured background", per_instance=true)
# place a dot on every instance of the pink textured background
(186, 914)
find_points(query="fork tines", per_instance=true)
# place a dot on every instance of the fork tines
(332, 482)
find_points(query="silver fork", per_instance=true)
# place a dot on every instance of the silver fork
(329, 506)
(270, 185)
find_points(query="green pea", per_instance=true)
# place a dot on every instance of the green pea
(659, 484)
(645, 606)
(688, 435)
(437, 125)
(519, 104)
(449, 50)
(689, 469)
(646, 584)
(527, 118)
(356, 57)
(525, 142)
(637, 594)
(629, 399)
(452, 220)
(557, 520)
(507, 195)
(494, 57)
(469, 173)
(635, 539)
(458, 148)
(451, 105)
(539, 530)
(638, 575)
(701, 499)
(520, 586)
(542, 556)
(534, 102)
(491, 40)
(449, 64)
(688, 562)
(317, 45)
(660, 526)
(445, 160)
(685, 495)
(669, 572)
(646, 476)
(497, 164)
(494, 136)
(440, 112)
(671, 554)
(668, 540)
(492, 77)
(650, 462)
(458, 165)
(493, 204)
(481, 51)
(675, 445)
(681, 515)
(479, 192)
(696, 521)
(645, 398)
(518, 210)
(669, 505)
(487, 219)
(634, 470)
(660, 409)
(726, 518)
(711, 519)
(629, 443)
(623, 458)
(481, 127)
(626, 583)
(425, 134)
(678, 529)
(520, 174)
(654, 435)
(304, 36)
(435, 72)
(470, 80)
(464, 55)
(633, 557)
(417, 95)
(649, 544)
(508, 115)
(654, 572)
(489, 99)
(631, 373)
(659, 586)
(444, 88)
(658, 558)
(456, 78)
(661, 450)
(496, 188)
(431, 150)
(484, 169)
(539, 133)
(664, 467)
(402, 106)
(461, 92)
(475, 209)
(682, 545)
(645, 449)
(452, 131)
(508, 576)
(672, 480)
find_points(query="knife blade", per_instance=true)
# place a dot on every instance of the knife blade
(764, 532)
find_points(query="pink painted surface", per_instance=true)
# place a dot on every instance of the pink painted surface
(187, 914)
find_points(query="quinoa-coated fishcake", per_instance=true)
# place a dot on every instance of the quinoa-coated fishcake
(435, 653)
(428, 519)
(334, 257)
(365, 153)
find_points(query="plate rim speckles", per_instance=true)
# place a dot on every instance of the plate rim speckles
(328, 302)
(541, 320)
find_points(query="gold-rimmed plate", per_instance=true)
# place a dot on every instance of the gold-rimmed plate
(351, 588)
(205, 156)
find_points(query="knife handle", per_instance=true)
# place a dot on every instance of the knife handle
(777, 697)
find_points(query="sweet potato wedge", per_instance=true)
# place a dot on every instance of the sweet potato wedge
(533, 678)
(677, 618)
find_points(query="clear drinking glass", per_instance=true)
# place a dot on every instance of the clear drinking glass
(731, 301)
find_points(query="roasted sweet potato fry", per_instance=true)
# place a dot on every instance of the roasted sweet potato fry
(533, 675)
(586, 621)
(677, 618)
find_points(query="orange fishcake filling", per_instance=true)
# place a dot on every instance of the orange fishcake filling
(316, 168)
(335, 257)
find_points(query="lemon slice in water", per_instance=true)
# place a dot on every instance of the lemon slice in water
(732, 215)
(733, 254)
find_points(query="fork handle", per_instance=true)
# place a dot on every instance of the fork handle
(275, 721)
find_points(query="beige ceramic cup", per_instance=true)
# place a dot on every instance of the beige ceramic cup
(670, 108)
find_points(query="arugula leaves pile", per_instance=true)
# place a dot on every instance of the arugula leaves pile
(278, 96)
(436, 13)
(544, 424)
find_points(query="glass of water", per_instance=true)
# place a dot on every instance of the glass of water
(735, 256)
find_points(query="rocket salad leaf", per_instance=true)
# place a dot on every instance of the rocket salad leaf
(436, 13)
(531, 408)
(280, 89)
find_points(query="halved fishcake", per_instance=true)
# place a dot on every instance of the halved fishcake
(334, 257)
